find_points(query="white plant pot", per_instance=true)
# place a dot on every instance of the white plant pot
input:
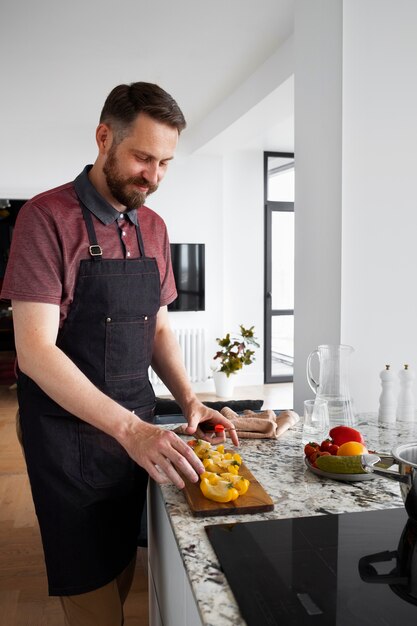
(224, 384)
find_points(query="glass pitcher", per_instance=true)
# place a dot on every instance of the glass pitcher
(333, 382)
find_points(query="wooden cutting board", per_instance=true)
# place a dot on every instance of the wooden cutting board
(255, 500)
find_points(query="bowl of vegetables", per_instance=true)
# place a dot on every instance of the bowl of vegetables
(344, 456)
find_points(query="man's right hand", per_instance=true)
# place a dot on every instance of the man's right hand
(161, 453)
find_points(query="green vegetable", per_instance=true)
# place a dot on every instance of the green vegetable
(340, 464)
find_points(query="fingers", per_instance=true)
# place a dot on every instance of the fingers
(211, 436)
(189, 464)
(230, 429)
(170, 459)
(168, 475)
(159, 476)
(205, 429)
(193, 425)
(165, 457)
(218, 436)
(234, 437)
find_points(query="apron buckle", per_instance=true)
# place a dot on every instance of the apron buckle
(95, 250)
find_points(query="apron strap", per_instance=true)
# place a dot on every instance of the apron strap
(94, 249)
(140, 240)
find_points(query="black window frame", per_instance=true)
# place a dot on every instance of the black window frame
(269, 207)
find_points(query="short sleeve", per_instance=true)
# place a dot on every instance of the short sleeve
(156, 240)
(34, 268)
(168, 287)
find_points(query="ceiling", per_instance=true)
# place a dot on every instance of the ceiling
(59, 60)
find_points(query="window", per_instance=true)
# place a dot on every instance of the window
(279, 266)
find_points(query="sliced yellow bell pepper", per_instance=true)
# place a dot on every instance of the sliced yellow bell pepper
(233, 457)
(213, 454)
(202, 448)
(221, 491)
(211, 466)
(219, 465)
(238, 482)
(212, 477)
(233, 467)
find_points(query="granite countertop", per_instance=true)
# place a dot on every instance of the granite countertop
(279, 466)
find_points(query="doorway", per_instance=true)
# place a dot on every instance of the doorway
(279, 267)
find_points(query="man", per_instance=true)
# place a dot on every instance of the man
(89, 277)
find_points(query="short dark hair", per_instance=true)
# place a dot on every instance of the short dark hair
(125, 102)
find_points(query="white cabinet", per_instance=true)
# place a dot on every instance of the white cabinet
(171, 601)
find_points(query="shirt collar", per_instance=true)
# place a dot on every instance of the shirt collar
(95, 202)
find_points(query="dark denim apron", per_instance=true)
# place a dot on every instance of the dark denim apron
(87, 491)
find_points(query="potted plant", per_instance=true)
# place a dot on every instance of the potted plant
(235, 352)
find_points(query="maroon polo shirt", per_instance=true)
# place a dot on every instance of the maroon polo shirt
(50, 239)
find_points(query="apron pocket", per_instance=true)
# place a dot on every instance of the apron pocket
(104, 462)
(128, 348)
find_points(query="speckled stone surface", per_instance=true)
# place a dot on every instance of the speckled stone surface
(279, 466)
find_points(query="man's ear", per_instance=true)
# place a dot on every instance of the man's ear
(104, 138)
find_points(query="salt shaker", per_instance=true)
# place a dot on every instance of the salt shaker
(405, 406)
(387, 399)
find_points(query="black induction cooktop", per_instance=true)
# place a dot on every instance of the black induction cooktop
(352, 569)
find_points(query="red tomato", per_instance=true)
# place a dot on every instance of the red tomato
(333, 449)
(312, 458)
(342, 434)
(310, 448)
(326, 445)
(191, 443)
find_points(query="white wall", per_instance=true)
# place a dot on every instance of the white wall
(356, 159)
(379, 298)
(190, 200)
(219, 201)
(243, 244)
(318, 163)
(32, 161)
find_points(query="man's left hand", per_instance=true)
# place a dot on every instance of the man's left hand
(202, 421)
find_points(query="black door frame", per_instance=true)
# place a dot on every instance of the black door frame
(269, 312)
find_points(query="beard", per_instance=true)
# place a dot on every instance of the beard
(119, 186)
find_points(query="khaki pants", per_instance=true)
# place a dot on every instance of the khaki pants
(103, 606)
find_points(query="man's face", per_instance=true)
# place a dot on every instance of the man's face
(134, 168)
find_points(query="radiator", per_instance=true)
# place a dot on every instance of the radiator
(192, 343)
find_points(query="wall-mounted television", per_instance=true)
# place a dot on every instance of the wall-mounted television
(188, 264)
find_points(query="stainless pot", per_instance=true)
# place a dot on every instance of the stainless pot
(405, 456)
(403, 578)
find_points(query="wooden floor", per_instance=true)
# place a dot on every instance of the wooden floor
(23, 588)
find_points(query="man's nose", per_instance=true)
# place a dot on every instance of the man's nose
(152, 173)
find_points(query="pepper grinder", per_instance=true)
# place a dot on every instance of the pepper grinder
(387, 399)
(405, 407)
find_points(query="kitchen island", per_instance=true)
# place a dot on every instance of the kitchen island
(186, 584)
